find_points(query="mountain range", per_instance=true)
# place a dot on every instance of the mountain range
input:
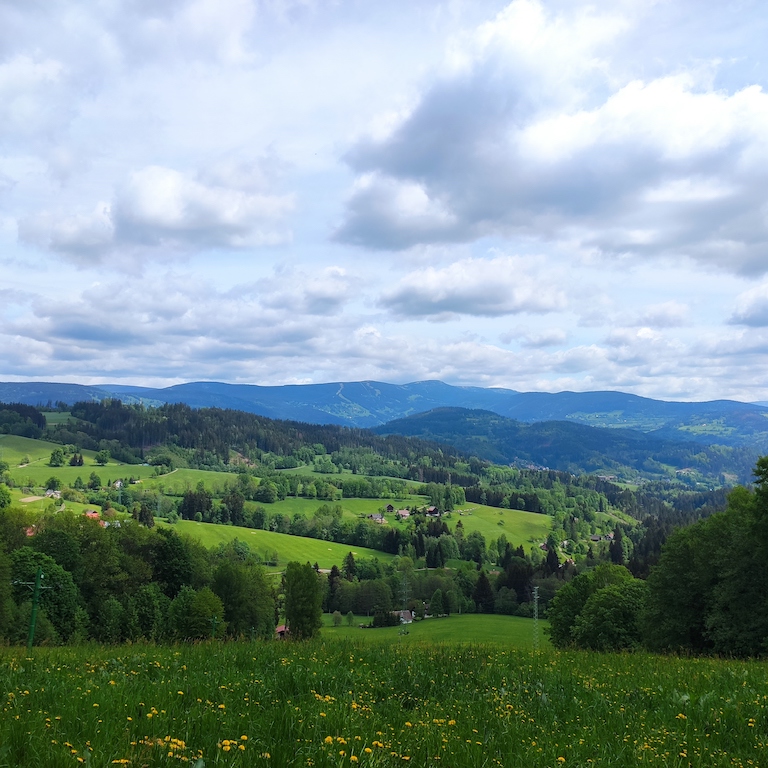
(371, 403)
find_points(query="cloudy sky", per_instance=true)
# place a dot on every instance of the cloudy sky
(539, 195)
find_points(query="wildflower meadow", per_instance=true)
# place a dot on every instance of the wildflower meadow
(341, 703)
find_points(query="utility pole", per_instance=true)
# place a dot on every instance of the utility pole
(535, 619)
(36, 586)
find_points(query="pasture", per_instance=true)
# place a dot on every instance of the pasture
(14, 449)
(179, 481)
(336, 703)
(40, 505)
(467, 628)
(519, 527)
(53, 418)
(325, 553)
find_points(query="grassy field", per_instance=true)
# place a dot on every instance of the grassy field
(13, 449)
(40, 505)
(52, 418)
(513, 631)
(351, 507)
(336, 703)
(324, 553)
(519, 527)
(177, 482)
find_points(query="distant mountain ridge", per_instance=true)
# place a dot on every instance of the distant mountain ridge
(372, 403)
(568, 446)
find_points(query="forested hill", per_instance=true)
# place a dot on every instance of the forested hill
(214, 437)
(373, 403)
(577, 448)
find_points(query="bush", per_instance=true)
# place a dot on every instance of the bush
(385, 619)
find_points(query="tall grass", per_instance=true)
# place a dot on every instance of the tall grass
(340, 703)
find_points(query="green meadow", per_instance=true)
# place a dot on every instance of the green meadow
(325, 553)
(39, 505)
(336, 703)
(519, 527)
(52, 418)
(178, 481)
(14, 449)
(514, 631)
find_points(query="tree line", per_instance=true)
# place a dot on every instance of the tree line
(708, 592)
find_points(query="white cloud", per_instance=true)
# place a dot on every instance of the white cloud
(83, 236)
(485, 287)
(668, 314)
(536, 338)
(30, 96)
(752, 307)
(668, 166)
(163, 206)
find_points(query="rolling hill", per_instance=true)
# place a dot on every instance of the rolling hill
(572, 447)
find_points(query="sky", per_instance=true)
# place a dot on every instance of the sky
(542, 195)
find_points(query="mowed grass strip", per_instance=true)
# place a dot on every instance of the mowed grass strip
(336, 703)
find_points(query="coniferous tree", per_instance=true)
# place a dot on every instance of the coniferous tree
(483, 594)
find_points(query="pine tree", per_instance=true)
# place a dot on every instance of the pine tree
(483, 594)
